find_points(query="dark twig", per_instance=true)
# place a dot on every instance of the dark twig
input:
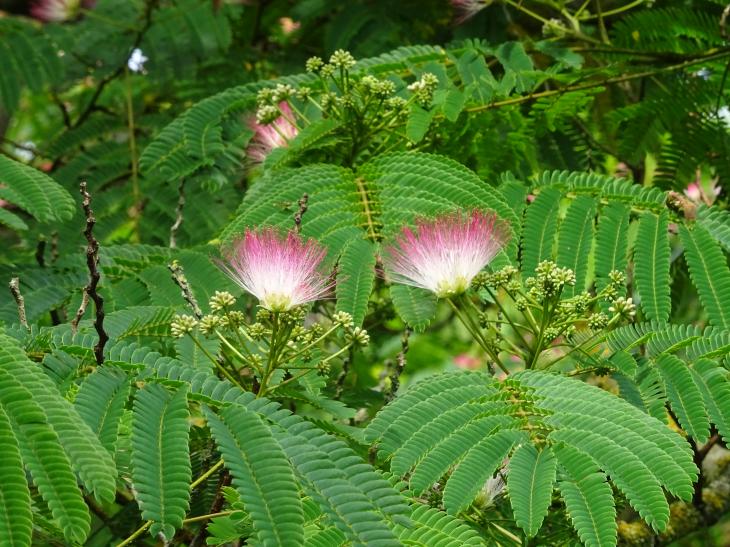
(178, 214)
(178, 276)
(54, 247)
(340, 382)
(298, 215)
(400, 365)
(40, 252)
(19, 300)
(91, 290)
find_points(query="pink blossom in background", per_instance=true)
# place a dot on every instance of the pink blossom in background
(288, 25)
(466, 361)
(466, 9)
(273, 135)
(282, 271)
(696, 192)
(444, 254)
(56, 11)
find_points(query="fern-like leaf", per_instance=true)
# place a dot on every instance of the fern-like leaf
(710, 273)
(416, 306)
(714, 385)
(588, 498)
(356, 274)
(478, 465)
(41, 451)
(651, 258)
(575, 239)
(15, 514)
(433, 528)
(262, 475)
(100, 402)
(684, 396)
(611, 242)
(34, 191)
(530, 484)
(538, 235)
(160, 457)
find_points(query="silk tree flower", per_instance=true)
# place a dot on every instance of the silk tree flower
(282, 271)
(273, 135)
(444, 254)
(466, 9)
(56, 11)
(696, 192)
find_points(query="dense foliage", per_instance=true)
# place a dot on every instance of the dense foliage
(252, 247)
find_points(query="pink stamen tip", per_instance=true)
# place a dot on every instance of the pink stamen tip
(444, 254)
(274, 135)
(282, 271)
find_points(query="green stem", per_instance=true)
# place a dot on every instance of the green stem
(616, 11)
(215, 361)
(207, 517)
(474, 330)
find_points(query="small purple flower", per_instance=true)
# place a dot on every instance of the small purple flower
(282, 271)
(466, 9)
(444, 254)
(274, 135)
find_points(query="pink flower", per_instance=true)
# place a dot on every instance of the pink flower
(274, 135)
(445, 253)
(56, 11)
(466, 9)
(696, 192)
(288, 25)
(466, 361)
(282, 271)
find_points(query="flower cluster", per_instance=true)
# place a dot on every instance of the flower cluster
(57, 11)
(549, 280)
(443, 255)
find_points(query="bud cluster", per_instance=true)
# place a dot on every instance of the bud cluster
(549, 280)
(424, 88)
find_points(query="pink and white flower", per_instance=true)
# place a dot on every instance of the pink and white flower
(282, 271)
(696, 192)
(56, 11)
(444, 254)
(466, 9)
(274, 135)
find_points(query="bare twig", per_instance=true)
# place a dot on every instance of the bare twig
(341, 377)
(91, 290)
(19, 300)
(81, 311)
(40, 252)
(298, 215)
(400, 365)
(178, 214)
(178, 276)
(54, 247)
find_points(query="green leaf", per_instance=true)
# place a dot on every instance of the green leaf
(575, 239)
(34, 191)
(538, 235)
(161, 470)
(100, 402)
(709, 271)
(478, 465)
(417, 307)
(88, 458)
(712, 379)
(42, 453)
(684, 396)
(434, 528)
(530, 484)
(16, 525)
(588, 498)
(611, 242)
(262, 475)
(651, 265)
(419, 120)
(356, 275)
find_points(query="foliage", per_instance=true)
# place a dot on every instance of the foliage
(599, 135)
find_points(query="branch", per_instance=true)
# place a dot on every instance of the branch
(178, 276)
(19, 300)
(298, 215)
(400, 365)
(178, 214)
(90, 291)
